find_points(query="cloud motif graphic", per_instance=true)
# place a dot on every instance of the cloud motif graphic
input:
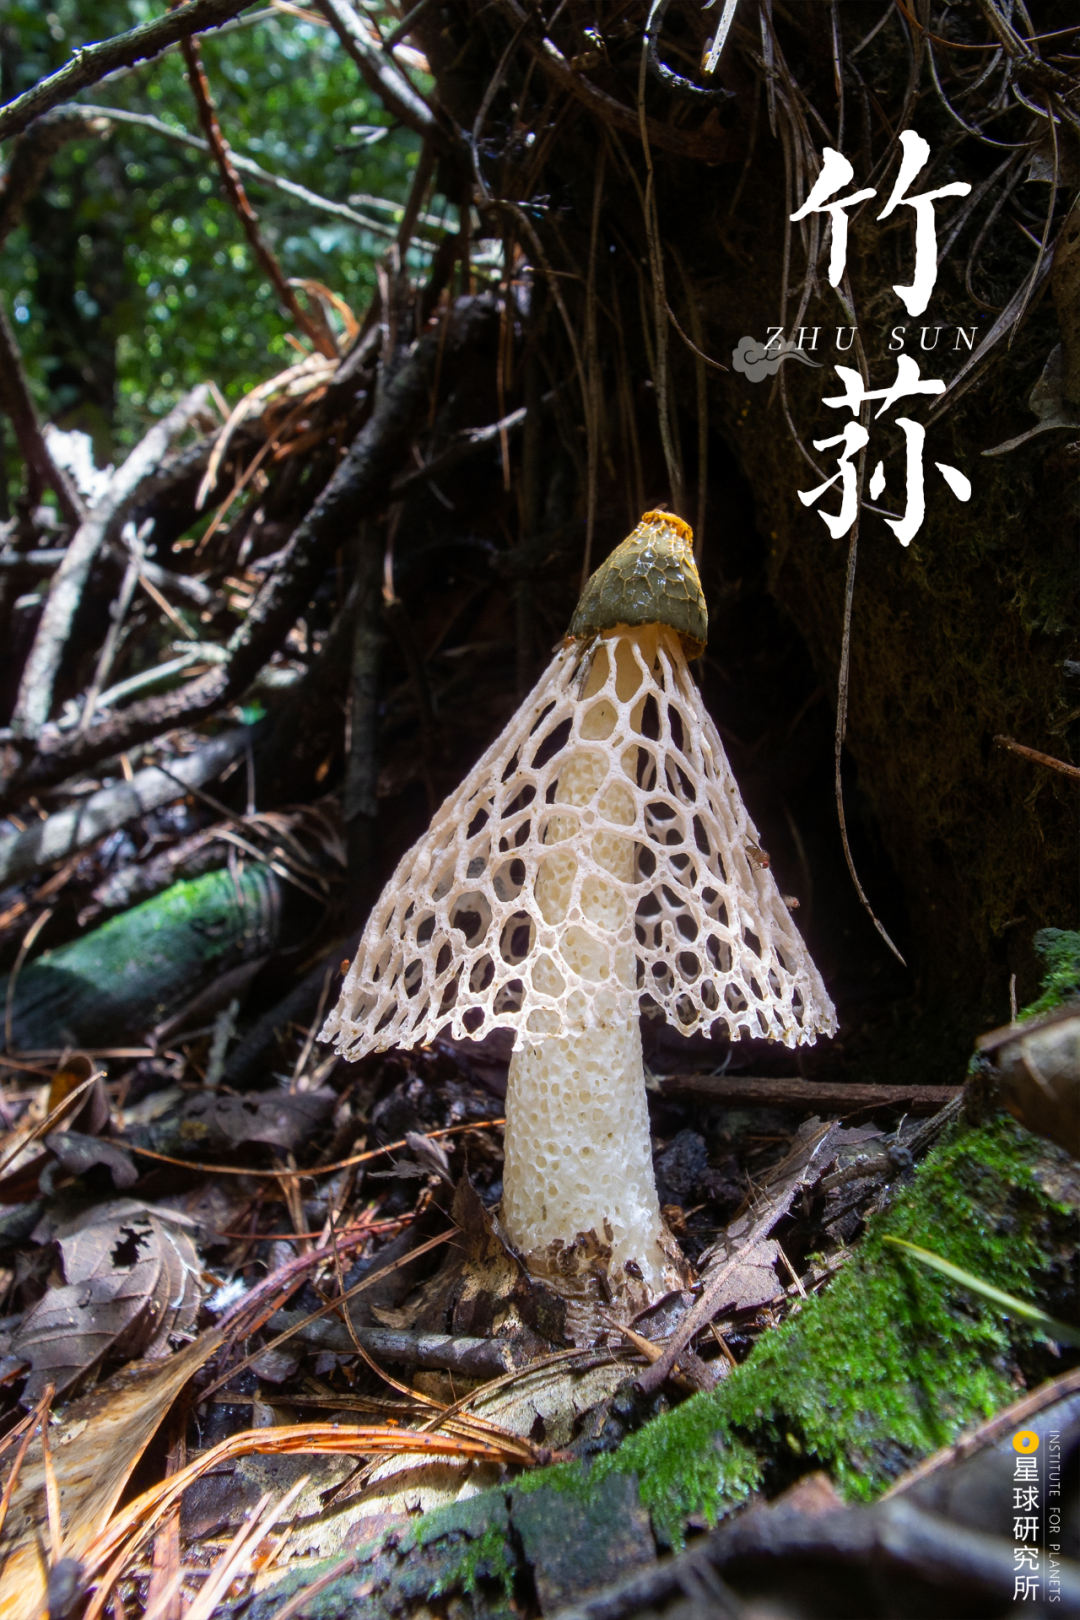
(756, 362)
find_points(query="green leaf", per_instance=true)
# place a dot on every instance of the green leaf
(1060, 1331)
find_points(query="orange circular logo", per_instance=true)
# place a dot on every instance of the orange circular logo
(1026, 1440)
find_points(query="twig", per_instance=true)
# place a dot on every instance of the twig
(656, 266)
(37, 562)
(300, 1600)
(134, 1523)
(36, 688)
(841, 1096)
(469, 442)
(1014, 1417)
(378, 70)
(30, 1423)
(361, 478)
(52, 1493)
(103, 668)
(701, 360)
(472, 1358)
(1038, 758)
(332, 1305)
(90, 63)
(236, 194)
(248, 166)
(842, 686)
(13, 977)
(18, 402)
(685, 143)
(316, 1170)
(791, 1174)
(67, 831)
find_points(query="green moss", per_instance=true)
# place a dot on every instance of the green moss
(1060, 950)
(133, 970)
(886, 1366)
(486, 1559)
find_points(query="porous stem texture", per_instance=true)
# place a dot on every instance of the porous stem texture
(578, 1187)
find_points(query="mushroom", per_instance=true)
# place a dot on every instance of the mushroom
(597, 862)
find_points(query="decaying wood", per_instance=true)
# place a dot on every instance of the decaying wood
(66, 831)
(361, 479)
(103, 520)
(746, 1091)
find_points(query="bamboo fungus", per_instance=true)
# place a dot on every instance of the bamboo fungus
(597, 862)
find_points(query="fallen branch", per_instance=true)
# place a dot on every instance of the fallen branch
(362, 479)
(472, 1358)
(1039, 759)
(18, 403)
(124, 489)
(90, 63)
(745, 1091)
(68, 831)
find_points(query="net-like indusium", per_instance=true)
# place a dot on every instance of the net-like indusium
(597, 858)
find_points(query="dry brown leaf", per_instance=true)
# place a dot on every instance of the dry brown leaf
(279, 1119)
(131, 1283)
(92, 1115)
(95, 1445)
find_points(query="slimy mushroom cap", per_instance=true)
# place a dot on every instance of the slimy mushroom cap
(651, 578)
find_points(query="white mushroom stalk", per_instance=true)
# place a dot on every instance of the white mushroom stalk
(596, 863)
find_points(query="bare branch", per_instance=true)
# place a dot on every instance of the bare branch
(90, 63)
(1040, 759)
(68, 831)
(36, 689)
(378, 70)
(236, 194)
(362, 478)
(247, 165)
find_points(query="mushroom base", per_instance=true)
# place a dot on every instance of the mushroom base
(579, 1195)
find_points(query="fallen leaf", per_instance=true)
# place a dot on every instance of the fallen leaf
(92, 1115)
(95, 1445)
(76, 1152)
(209, 1122)
(131, 1283)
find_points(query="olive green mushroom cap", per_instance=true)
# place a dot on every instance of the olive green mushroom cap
(650, 579)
